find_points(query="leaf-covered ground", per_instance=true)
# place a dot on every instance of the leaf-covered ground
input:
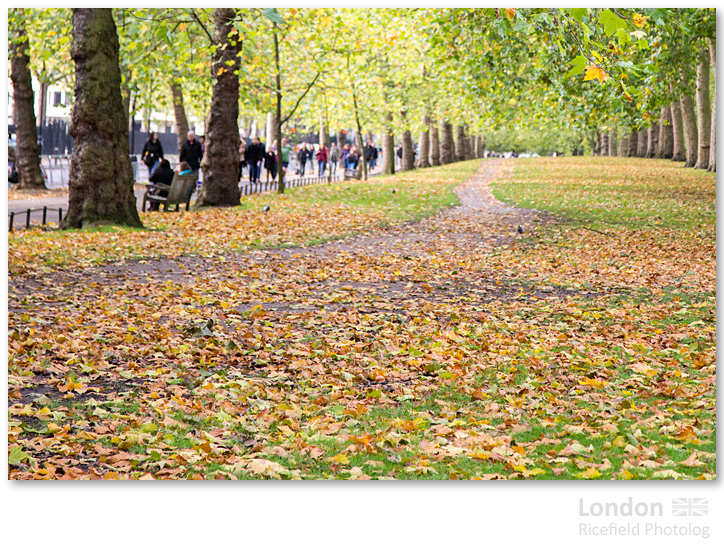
(452, 347)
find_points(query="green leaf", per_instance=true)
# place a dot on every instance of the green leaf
(273, 15)
(578, 65)
(17, 455)
(611, 22)
(579, 13)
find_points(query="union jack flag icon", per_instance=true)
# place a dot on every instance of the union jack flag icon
(690, 506)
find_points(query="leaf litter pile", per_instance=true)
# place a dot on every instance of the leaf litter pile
(452, 347)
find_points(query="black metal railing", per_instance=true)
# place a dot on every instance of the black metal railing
(29, 212)
(259, 187)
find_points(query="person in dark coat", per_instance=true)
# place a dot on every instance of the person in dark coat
(254, 157)
(152, 153)
(302, 156)
(270, 163)
(371, 155)
(191, 152)
(162, 175)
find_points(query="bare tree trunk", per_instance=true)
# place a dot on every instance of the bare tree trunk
(408, 152)
(322, 132)
(179, 113)
(703, 111)
(665, 149)
(388, 146)
(434, 145)
(422, 160)
(43, 108)
(622, 150)
(460, 143)
(481, 147)
(27, 152)
(613, 142)
(604, 144)
(446, 143)
(101, 178)
(652, 140)
(643, 141)
(691, 132)
(271, 125)
(678, 135)
(712, 140)
(340, 139)
(220, 164)
(633, 143)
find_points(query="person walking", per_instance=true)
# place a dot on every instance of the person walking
(333, 159)
(286, 151)
(345, 153)
(270, 162)
(371, 155)
(242, 158)
(152, 153)
(191, 152)
(322, 157)
(302, 156)
(254, 157)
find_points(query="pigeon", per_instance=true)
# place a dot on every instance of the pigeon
(266, 208)
(394, 191)
(520, 229)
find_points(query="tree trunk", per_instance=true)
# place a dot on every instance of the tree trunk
(633, 143)
(613, 142)
(322, 132)
(340, 139)
(388, 146)
(652, 140)
(220, 164)
(691, 133)
(101, 178)
(603, 148)
(643, 141)
(460, 143)
(703, 111)
(712, 140)
(179, 113)
(408, 153)
(27, 155)
(677, 124)
(271, 125)
(481, 147)
(446, 143)
(666, 135)
(422, 160)
(43, 108)
(434, 145)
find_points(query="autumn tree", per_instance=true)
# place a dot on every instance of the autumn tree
(101, 177)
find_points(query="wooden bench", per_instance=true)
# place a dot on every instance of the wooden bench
(180, 191)
(350, 174)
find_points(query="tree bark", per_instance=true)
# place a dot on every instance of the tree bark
(603, 141)
(422, 161)
(460, 143)
(712, 140)
(101, 177)
(388, 146)
(43, 107)
(612, 142)
(340, 139)
(703, 111)
(677, 124)
(322, 132)
(665, 149)
(446, 143)
(27, 160)
(643, 141)
(179, 113)
(434, 145)
(408, 153)
(271, 125)
(220, 164)
(691, 133)
(633, 143)
(652, 140)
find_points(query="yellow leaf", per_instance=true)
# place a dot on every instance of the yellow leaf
(341, 458)
(640, 20)
(643, 368)
(598, 384)
(590, 473)
(220, 71)
(510, 13)
(595, 72)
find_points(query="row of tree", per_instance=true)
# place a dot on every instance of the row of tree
(444, 76)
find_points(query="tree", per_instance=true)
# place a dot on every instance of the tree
(27, 151)
(712, 140)
(101, 178)
(220, 164)
(703, 110)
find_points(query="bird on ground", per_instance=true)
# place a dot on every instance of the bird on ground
(520, 229)
(394, 191)
(266, 208)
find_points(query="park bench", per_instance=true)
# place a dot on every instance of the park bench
(180, 191)
(350, 174)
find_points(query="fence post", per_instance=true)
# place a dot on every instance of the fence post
(60, 215)
(45, 214)
(12, 221)
(27, 220)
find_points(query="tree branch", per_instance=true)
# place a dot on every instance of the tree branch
(296, 105)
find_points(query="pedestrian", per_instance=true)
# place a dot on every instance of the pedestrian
(184, 168)
(352, 158)
(371, 155)
(322, 157)
(286, 151)
(162, 175)
(191, 152)
(242, 158)
(333, 159)
(254, 157)
(152, 153)
(302, 156)
(270, 162)
(345, 153)
(202, 142)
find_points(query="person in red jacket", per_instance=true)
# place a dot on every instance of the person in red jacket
(322, 157)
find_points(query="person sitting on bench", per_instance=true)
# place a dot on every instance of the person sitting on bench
(162, 175)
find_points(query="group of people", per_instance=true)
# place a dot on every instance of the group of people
(257, 156)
